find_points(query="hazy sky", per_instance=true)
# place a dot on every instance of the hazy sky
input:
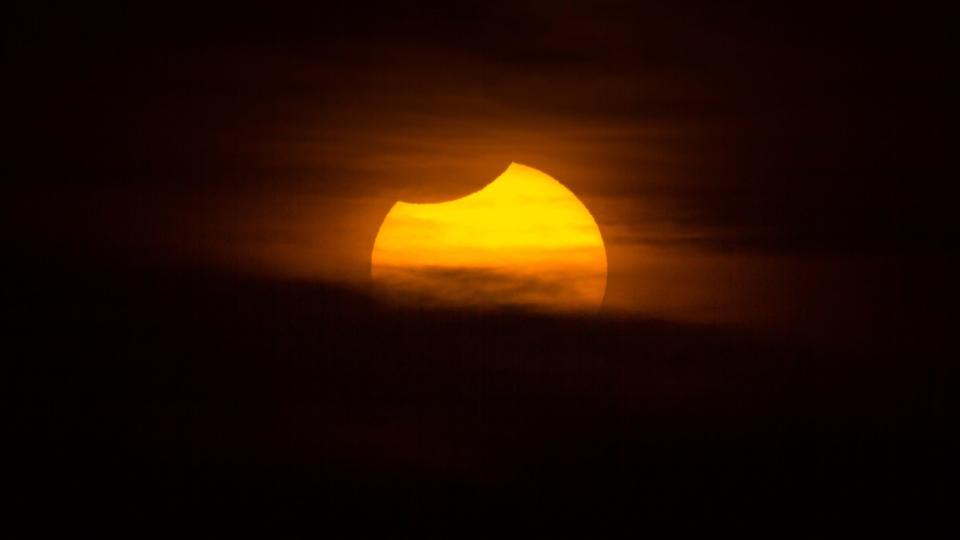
(749, 163)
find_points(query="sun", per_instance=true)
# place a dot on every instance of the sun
(523, 240)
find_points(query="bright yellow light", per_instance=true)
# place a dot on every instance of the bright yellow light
(522, 240)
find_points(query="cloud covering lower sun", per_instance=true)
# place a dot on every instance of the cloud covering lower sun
(523, 240)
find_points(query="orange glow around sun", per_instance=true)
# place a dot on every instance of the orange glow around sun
(523, 240)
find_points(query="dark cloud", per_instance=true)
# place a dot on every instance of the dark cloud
(185, 396)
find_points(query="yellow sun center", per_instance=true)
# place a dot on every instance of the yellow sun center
(523, 240)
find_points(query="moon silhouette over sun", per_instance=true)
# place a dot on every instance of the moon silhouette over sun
(523, 240)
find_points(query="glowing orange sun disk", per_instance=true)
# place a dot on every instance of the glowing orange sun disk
(522, 240)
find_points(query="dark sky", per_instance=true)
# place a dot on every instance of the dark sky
(190, 197)
(728, 152)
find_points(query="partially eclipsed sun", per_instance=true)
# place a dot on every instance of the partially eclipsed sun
(523, 240)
